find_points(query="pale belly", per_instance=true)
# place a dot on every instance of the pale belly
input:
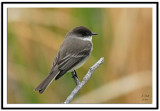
(79, 65)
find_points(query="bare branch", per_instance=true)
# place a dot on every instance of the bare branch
(84, 81)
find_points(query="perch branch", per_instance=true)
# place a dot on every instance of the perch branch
(84, 81)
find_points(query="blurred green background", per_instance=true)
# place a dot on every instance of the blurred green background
(124, 40)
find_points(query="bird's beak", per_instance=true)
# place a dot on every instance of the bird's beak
(94, 33)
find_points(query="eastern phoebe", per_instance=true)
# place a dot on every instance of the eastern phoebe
(73, 53)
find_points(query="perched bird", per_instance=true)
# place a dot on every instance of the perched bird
(73, 53)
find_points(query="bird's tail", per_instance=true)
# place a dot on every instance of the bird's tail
(45, 83)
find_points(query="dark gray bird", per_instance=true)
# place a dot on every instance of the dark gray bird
(73, 53)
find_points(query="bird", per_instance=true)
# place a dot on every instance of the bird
(73, 53)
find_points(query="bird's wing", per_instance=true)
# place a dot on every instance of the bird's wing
(70, 61)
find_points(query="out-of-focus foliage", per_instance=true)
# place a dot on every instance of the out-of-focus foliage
(124, 40)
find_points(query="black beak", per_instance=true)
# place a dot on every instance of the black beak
(94, 33)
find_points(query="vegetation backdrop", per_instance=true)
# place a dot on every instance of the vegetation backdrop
(124, 40)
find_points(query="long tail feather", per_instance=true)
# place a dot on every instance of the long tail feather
(45, 83)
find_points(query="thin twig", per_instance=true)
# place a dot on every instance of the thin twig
(84, 81)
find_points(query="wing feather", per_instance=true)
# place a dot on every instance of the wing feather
(71, 61)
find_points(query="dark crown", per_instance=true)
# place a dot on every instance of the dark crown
(82, 31)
